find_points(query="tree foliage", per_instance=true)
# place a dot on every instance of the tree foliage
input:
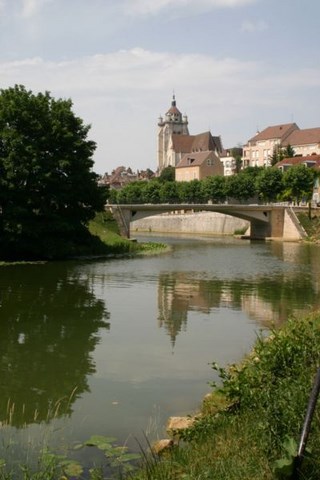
(251, 184)
(190, 192)
(280, 153)
(288, 151)
(241, 186)
(237, 156)
(214, 188)
(277, 155)
(269, 184)
(48, 192)
(167, 174)
(298, 183)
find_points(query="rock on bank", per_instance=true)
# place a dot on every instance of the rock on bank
(206, 223)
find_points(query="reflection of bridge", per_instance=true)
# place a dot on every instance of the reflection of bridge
(267, 221)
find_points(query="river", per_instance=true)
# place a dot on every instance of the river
(114, 347)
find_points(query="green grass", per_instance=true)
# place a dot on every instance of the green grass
(107, 239)
(311, 225)
(253, 414)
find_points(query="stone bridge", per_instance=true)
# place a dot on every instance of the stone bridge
(267, 221)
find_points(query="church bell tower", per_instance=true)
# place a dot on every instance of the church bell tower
(173, 123)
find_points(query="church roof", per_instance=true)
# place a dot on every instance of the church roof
(196, 143)
(173, 109)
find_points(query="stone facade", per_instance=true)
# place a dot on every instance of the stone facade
(174, 140)
(198, 166)
(258, 150)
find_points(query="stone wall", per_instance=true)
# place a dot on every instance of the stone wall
(210, 223)
(292, 229)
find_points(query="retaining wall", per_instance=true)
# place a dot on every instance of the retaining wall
(206, 223)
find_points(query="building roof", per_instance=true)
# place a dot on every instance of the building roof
(196, 159)
(173, 109)
(274, 132)
(298, 160)
(195, 143)
(230, 152)
(307, 136)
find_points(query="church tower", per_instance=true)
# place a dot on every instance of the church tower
(173, 123)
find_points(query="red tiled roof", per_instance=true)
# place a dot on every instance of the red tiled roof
(182, 143)
(174, 110)
(276, 131)
(299, 160)
(195, 143)
(303, 137)
(196, 159)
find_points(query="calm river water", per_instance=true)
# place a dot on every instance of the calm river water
(114, 347)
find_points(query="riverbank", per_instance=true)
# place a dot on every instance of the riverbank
(102, 240)
(108, 241)
(311, 225)
(248, 428)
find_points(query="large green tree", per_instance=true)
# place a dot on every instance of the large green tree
(48, 191)
(298, 183)
(269, 184)
(214, 188)
(242, 186)
(190, 192)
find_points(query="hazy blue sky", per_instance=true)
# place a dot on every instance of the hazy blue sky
(235, 66)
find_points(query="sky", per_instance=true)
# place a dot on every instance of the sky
(235, 66)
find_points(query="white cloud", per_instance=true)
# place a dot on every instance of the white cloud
(250, 26)
(147, 7)
(30, 7)
(122, 94)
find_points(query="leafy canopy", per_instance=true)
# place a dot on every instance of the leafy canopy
(48, 192)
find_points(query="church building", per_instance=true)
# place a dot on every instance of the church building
(174, 140)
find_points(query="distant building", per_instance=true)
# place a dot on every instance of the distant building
(259, 149)
(119, 177)
(304, 142)
(227, 157)
(198, 165)
(174, 140)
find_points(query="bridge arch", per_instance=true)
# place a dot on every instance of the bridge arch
(265, 220)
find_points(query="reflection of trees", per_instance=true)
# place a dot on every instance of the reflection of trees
(49, 322)
(264, 299)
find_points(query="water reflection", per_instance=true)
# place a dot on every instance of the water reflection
(205, 299)
(49, 322)
(266, 299)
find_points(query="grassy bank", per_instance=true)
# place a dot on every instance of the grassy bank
(250, 425)
(100, 239)
(106, 239)
(311, 224)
